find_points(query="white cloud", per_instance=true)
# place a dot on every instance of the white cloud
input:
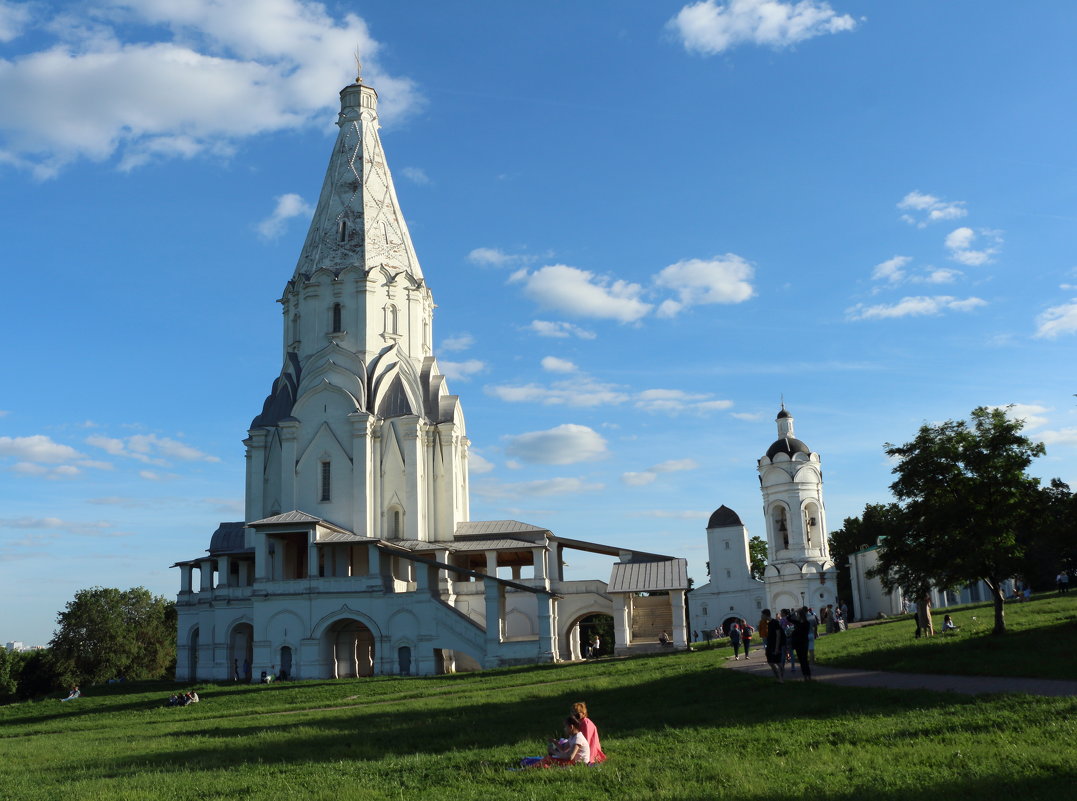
(940, 275)
(891, 269)
(288, 206)
(930, 209)
(651, 473)
(914, 307)
(495, 257)
(416, 175)
(711, 27)
(14, 17)
(459, 342)
(37, 448)
(1032, 414)
(478, 464)
(1061, 436)
(556, 365)
(91, 528)
(582, 391)
(1061, 319)
(749, 416)
(462, 371)
(672, 401)
(163, 79)
(959, 243)
(581, 293)
(150, 448)
(565, 444)
(527, 489)
(560, 330)
(4, 412)
(723, 279)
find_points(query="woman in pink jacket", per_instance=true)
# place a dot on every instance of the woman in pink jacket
(589, 732)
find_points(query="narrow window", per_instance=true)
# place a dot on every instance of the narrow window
(342, 231)
(326, 481)
(394, 325)
(396, 524)
(336, 318)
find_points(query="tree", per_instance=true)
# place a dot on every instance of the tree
(105, 632)
(966, 493)
(878, 520)
(757, 555)
(1049, 535)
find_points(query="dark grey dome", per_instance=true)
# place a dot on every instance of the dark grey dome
(789, 445)
(783, 414)
(228, 538)
(724, 516)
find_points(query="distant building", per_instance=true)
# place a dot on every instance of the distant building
(357, 555)
(799, 570)
(15, 645)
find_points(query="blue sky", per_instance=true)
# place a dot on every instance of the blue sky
(643, 223)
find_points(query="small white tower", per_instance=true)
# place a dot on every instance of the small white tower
(799, 570)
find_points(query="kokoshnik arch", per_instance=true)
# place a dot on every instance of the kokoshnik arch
(357, 555)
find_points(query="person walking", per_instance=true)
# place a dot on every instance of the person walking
(774, 644)
(801, 627)
(747, 639)
(734, 639)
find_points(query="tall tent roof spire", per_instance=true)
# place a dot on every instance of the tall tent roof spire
(358, 221)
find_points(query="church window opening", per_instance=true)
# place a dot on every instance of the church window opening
(394, 320)
(782, 526)
(727, 545)
(336, 318)
(396, 527)
(342, 231)
(326, 482)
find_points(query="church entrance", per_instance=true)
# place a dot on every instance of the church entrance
(583, 632)
(241, 652)
(285, 671)
(351, 649)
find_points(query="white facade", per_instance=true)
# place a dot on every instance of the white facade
(356, 554)
(799, 570)
(732, 591)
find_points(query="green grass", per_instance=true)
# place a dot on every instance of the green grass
(675, 725)
(1041, 642)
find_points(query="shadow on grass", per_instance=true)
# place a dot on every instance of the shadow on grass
(694, 699)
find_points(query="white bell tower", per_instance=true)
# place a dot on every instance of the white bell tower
(799, 571)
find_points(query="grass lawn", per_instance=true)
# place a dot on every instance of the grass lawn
(675, 726)
(1040, 642)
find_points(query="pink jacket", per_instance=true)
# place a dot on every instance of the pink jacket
(590, 733)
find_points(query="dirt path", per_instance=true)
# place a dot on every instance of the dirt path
(853, 677)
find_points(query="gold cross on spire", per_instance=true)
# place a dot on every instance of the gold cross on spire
(358, 66)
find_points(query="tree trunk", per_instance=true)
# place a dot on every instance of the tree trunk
(923, 611)
(1000, 601)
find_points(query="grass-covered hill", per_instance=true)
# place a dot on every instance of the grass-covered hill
(675, 726)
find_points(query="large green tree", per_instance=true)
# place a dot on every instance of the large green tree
(105, 632)
(1049, 535)
(965, 492)
(757, 555)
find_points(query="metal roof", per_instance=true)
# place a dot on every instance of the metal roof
(668, 574)
(473, 528)
(294, 516)
(493, 545)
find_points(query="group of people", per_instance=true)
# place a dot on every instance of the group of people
(73, 694)
(579, 746)
(183, 699)
(790, 634)
(1063, 582)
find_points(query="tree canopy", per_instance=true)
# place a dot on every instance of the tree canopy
(106, 633)
(877, 521)
(757, 555)
(966, 493)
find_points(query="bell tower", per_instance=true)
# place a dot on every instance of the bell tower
(791, 480)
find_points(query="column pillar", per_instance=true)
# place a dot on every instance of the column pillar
(312, 554)
(289, 430)
(205, 574)
(538, 555)
(545, 627)
(262, 568)
(361, 470)
(256, 460)
(680, 634)
(244, 573)
(495, 609)
(622, 636)
(373, 560)
(224, 571)
(491, 563)
(185, 577)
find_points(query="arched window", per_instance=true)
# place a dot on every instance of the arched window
(394, 320)
(342, 231)
(336, 318)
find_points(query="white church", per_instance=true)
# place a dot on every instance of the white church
(357, 554)
(799, 570)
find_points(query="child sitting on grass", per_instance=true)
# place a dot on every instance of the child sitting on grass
(572, 750)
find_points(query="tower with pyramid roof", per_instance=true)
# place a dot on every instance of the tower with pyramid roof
(356, 555)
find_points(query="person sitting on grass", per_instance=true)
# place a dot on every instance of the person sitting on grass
(589, 731)
(71, 696)
(948, 625)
